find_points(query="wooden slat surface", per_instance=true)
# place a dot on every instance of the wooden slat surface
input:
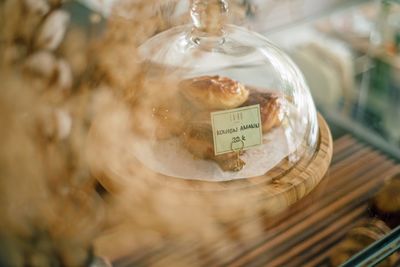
(304, 234)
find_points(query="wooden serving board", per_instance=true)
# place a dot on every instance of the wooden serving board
(304, 234)
(282, 186)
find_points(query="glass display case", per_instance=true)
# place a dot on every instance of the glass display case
(204, 144)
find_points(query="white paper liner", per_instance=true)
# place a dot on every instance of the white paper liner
(170, 158)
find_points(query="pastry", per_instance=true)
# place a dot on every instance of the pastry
(270, 108)
(343, 251)
(170, 117)
(198, 140)
(386, 203)
(214, 92)
(358, 238)
(368, 232)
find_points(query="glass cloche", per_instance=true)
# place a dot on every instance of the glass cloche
(240, 107)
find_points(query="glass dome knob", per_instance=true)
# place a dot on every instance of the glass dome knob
(208, 17)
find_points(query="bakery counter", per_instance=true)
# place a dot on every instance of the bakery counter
(309, 233)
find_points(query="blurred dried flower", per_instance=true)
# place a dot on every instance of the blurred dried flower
(52, 30)
(70, 109)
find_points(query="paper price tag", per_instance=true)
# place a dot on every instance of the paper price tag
(236, 129)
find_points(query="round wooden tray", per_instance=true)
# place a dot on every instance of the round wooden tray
(280, 187)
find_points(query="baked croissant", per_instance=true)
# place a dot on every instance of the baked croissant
(198, 140)
(214, 92)
(270, 106)
(170, 117)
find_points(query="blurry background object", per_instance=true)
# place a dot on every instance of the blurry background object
(258, 14)
(353, 49)
(386, 203)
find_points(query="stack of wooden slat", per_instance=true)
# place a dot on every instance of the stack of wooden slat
(305, 234)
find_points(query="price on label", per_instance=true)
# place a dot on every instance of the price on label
(236, 129)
